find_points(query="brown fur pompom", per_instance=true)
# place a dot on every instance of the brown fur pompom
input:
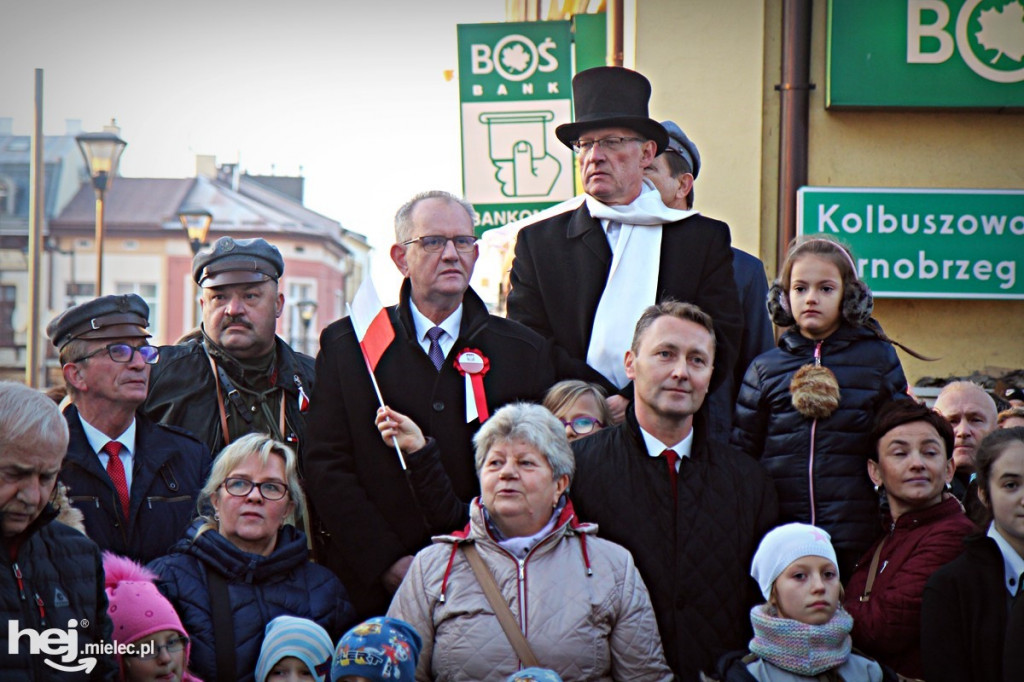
(815, 391)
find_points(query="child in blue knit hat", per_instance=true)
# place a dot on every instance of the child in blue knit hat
(294, 649)
(378, 650)
(802, 632)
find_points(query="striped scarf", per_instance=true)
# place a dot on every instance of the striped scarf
(797, 647)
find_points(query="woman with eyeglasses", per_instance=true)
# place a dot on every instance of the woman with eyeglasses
(244, 564)
(151, 641)
(580, 406)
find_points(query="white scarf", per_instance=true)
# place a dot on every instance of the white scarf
(632, 279)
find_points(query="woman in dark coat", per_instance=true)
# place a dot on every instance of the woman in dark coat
(924, 527)
(237, 570)
(973, 614)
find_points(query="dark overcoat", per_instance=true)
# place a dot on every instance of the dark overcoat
(355, 480)
(561, 268)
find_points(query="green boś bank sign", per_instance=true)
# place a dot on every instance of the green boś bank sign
(926, 53)
(919, 243)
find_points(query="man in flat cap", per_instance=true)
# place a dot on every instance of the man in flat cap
(237, 376)
(583, 277)
(444, 336)
(673, 172)
(135, 481)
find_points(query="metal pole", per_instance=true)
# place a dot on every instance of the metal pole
(35, 238)
(99, 242)
(614, 33)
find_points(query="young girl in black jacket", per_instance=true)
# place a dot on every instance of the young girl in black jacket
(806, 408)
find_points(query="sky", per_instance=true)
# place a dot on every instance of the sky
(352, 93)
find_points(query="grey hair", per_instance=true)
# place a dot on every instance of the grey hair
(30, 420)
(990, 403)
(403, 218)
(263, 446)
(531, 424)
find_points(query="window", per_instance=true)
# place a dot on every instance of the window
(150, 294)
(302, 336)
(6, 196)
(8, 298)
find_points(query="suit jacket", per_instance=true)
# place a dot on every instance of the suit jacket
(561, 268)
(355, 480)
(169, 468)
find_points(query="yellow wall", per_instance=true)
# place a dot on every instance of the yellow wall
(725, 57)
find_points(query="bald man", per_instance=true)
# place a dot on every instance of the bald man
(972, 413)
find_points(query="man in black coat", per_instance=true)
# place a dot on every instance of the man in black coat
(691, 509)
(582, 277)
(374, 521)
(135, 482)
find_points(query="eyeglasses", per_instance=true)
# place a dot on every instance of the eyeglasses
(122, 352)
(581, 426)
(152, 649)
(240, 487)
(609, 144)
(432, 243)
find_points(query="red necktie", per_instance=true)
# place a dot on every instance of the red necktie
(115, 469)
(671, 457)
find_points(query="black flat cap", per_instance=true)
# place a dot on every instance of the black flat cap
(237, 261)
(106, 317)
(611, 97)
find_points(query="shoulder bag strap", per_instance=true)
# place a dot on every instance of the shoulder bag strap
(872, 572)
(501, 610)
(223, 626)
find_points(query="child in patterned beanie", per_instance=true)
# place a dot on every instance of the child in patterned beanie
(294, 648)
(377, 650)
(534, 675)
(802, 632)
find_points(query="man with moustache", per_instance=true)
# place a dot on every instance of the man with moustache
(238, 376)
(135, 481)
(973, 415)
(691, 509)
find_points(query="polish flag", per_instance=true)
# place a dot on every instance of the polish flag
(370, 320)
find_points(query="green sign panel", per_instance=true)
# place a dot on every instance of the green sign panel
(919, 243)
(515, 87)
(925, 53)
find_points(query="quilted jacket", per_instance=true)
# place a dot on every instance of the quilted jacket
(694, 556)
(579, 600)
(820, 466)
(260, 588)
(888, 625)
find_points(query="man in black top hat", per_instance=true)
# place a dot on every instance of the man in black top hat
(237, 376)
(135, 481)
(673, 172)
(583, 277)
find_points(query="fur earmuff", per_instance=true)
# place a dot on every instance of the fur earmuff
(858, 303)
(778, 306)
(814, 391)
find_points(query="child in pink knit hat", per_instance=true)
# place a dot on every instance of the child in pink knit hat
(145, 624)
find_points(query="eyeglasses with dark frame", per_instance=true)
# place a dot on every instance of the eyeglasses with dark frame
(581, 426)
(172, 646)
(433, 243)
(609, 144)
(240, 487)
(122, 352)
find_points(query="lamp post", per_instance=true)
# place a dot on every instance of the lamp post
(196, 222)
(307, 309)
(102, 152)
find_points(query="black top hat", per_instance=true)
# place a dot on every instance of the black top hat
(611, 97)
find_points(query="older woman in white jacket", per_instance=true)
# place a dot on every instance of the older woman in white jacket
(578, 599)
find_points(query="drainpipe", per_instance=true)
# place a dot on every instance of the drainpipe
(795, 92)
(615, 19)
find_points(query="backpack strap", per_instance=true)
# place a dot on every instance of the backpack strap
(223, 626)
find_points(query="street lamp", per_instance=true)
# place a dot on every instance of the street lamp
(102, 152)
(307, 309)
(196, 222)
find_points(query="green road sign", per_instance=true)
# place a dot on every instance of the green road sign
(920, 243)
(925, 53)
(515, 87)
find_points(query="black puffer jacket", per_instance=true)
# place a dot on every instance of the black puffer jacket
(821, 478)
(694, 555)
(260, 588)
(61, 581)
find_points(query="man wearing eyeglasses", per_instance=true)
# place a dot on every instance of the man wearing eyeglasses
(134, 480)
(352, 474)
(583, 277)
